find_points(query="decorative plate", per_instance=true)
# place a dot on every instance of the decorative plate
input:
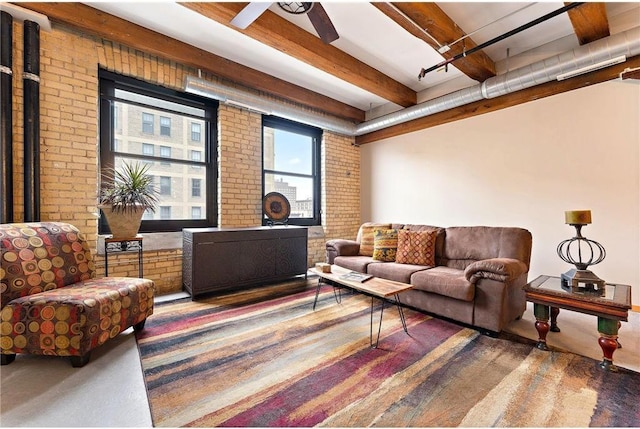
(276, 206)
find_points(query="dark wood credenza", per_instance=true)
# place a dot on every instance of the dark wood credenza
(216, 259)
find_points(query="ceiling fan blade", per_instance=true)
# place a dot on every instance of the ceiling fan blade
(322, 23)
(250, 13)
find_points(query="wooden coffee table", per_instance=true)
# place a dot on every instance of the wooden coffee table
(611, 306)
(375, 287)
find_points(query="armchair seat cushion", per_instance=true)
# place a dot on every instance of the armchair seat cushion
(73, 320)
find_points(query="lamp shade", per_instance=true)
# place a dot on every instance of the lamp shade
(577, 217)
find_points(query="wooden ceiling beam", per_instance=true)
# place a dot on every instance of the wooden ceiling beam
(277, 32)
(631, 74)
(589, 22)
(434, 21)
(508, 100)
(101, 24)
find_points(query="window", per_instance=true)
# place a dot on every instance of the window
(147, 123)
(165, 212)
(165, 126)
(195, 187)
(195, 131)
(165, 185)
(165, 152)
(196, 212)
(137, 101)
(196, 155)
(148, 149)
(291, 166)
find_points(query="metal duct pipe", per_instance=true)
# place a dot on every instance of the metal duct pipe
(243, 99)
(6, 118)
(626, 43)
(31, 84)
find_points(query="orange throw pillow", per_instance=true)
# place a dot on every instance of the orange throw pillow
(366, 237)
(416, 247)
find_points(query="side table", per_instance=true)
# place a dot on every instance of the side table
(117, 245)
(611, 305)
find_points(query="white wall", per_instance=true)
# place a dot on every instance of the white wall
(524, 166)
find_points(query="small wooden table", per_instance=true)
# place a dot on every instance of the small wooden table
(611, 305)
(375, 287)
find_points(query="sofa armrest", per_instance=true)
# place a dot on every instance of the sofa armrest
(499, 269)
(341, 247)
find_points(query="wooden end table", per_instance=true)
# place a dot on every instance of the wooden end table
(611, 306)
(375, 287)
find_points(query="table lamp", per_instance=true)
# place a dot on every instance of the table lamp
(589, 252)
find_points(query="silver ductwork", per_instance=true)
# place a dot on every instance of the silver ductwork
(622, 44)
(243, 99)
(626, 43)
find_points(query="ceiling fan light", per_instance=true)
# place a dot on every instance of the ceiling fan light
(296, 8)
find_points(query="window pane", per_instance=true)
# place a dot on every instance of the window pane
(287, 152)
(152, 101)
(298, 190)
(135, 140)
(196, 212)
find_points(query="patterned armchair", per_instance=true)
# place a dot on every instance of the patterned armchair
(52, 304)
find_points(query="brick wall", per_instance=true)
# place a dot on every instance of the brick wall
(69, 150)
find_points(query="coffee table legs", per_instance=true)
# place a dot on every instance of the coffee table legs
(400, 312)
(608, 329)
(337, 295)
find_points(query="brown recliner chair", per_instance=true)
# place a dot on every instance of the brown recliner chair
(52, 304)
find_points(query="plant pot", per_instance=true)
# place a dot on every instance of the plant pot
(125, 224)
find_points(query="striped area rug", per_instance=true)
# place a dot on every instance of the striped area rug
(263, 357)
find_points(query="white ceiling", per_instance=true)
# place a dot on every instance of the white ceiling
(371, 37)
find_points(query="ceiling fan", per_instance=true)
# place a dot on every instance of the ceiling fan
(316, 13)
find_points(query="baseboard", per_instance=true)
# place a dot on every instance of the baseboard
(635, 308)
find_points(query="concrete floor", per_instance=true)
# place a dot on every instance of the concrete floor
(41, 391)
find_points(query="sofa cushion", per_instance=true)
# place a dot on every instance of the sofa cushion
(416, 247)
(394, 271)
(465, 245)
(385, 244)
(445, 281)
(353, 263)
(365, 235)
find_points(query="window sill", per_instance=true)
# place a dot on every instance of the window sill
(152, 241)
(173, 240)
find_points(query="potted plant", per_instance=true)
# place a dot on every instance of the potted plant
(125, 195)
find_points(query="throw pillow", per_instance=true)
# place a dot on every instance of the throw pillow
(416, 247)
(385, 244)
(366, 237)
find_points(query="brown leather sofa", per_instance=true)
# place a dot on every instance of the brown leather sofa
(477, 277)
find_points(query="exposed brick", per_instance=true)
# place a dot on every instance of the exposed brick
(69, 155)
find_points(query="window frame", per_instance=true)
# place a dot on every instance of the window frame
(108, 83)
(316, 139)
